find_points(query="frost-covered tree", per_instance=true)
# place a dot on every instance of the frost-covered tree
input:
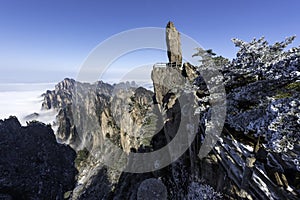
(210, 58)
(263, 93)
(258, 60)
(263, 83)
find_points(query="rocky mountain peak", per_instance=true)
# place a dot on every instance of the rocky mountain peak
(66, 84)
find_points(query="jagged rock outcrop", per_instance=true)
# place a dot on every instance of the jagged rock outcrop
(32, 164)
(176, 101)
(190, 72)
(173, 45)
(61, 96)
(89, 114)
(166, 80)
(129, 118)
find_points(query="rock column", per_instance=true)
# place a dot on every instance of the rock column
(173, 45)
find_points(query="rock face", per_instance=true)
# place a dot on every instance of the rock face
(32, 164)
(89, 112)
(190, 72)
(173, 45)
(164, 80)
(61, 96)
(176, 100)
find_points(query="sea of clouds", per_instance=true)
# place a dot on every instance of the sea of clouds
(23, 100)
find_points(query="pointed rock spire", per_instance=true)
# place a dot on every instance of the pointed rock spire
(173, 45)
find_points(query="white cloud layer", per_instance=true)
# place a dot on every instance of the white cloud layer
(20, 103)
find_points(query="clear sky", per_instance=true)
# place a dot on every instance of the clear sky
(45, 41)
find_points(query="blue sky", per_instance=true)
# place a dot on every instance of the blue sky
(45, 41)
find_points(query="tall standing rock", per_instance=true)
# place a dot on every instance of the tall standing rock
(173, 45)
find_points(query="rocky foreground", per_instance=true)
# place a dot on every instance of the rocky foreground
(32, 164)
